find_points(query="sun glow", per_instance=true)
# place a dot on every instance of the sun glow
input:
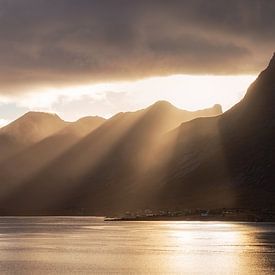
(3, 122)
(190, 92)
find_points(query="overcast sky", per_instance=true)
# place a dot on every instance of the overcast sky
(52, 45)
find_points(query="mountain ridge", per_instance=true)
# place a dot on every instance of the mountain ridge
(120, 135)
(162, 158)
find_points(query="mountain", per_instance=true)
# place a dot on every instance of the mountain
(83, 126)
(159, 158)
(33, 126)
(119, 149)
(226, 161)
(26, 130)
(33, 158)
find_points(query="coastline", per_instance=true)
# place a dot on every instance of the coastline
(194, 218)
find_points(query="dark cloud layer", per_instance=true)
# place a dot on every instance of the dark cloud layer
(63, 42)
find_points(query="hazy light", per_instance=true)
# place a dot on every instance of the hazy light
(3, 122)
(190, 92)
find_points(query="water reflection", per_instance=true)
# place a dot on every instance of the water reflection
(90, 245)
(221, 248)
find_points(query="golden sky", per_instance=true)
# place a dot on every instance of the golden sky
(122, 55)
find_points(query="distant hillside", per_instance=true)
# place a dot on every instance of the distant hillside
(159, 157)
(26, 130)
(33, 126)
(37, 155)
(108, 155)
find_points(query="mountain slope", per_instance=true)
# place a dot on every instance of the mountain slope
(163, 157)
(26, 130)
(227, 161)
(33, 158)
(119, 149)
(33, 126)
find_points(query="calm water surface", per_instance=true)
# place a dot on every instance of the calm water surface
(77, 245)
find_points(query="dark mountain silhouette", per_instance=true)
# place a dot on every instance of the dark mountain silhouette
(226, 161)
(115, 151)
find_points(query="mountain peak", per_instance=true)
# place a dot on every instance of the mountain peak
(272, 61)
(217, 108)
(34, 126)
(271, 67)
(266, 77)
(162, 103)
(38, 115)
(89, 118)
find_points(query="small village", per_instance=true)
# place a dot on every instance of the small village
(198, 214)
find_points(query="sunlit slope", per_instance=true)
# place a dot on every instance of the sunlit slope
(92, 171)
(26, 130)
(18, 168)
(227, 161)
(162, 157)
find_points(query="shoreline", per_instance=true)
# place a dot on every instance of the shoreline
(192, 218)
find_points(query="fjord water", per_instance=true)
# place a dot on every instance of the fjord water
(83, 245)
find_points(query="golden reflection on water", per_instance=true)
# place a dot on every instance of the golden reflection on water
(212, 248)
(89, 245)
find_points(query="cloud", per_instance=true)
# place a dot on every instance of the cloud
(190, 92)
(48, 43)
